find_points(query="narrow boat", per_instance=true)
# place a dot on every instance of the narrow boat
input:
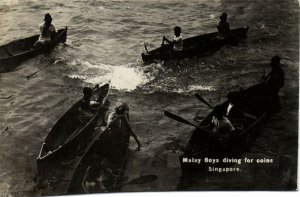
(205, 150)
(202, 45)
(249, 117)
(105, 161)
(70, 136)
(251, 114)
(13, 53)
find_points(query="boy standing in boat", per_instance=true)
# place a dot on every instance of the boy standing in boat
(48, 31)
(177, 40)
(275, 79)
(270, 86)
(273, 82)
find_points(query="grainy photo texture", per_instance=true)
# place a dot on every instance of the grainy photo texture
(102, 96)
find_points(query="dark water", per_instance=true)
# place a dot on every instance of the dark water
(106, 39)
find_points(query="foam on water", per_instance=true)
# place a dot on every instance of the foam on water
(201, 87)
(121, 77)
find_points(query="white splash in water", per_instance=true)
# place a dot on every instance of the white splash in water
(123, 77)
(200, 87)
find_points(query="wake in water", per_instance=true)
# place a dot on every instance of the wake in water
(156, 77)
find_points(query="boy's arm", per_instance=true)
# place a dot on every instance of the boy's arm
(168, 41)
(54, 32)
(135, 138)
(41, 29)
(54, 29)
(132, 134)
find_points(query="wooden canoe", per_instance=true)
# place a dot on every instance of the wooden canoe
(106, 157)
(69, 137)
(13, 53)
(203, 145)
(202, 45)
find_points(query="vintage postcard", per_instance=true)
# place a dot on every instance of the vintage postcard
(101, 96)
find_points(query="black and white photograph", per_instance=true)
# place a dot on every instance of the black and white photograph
(118, 96)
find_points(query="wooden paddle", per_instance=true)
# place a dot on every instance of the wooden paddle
(204, 101)
(146, 47)
(179, 119)
(39, 70)
(50, 61)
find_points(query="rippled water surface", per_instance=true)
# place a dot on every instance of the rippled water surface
(105, 41)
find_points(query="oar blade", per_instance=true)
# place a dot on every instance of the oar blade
(178, 118)
(199, 97)
(143, 179)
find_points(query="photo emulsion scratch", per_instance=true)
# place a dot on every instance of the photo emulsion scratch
(101, 96)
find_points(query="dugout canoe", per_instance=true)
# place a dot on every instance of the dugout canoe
(249, 115)
(70, 136)
(253, 102)
(202, 45)
(15, 52)
(106, 157)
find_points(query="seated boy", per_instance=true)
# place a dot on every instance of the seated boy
(177, 40)
(220, 125)
(223, 27)
(87, 107)
(48, 32)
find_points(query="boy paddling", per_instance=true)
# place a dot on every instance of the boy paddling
(177, 41)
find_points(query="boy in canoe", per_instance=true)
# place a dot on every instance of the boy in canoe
(219, 129)
(275, 79)
(220, 126)
(96, 176)
(122, 111)
(177, 40)
(48, 32)
(270, 86)
(223, 27)
(273, 82)
(87, 107)
(224, 33)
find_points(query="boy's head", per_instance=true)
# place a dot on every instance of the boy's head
(121, 108)
(275, 61)
(177, 31)
(223, 17)
(87, 92)
(233, 97)
(218, 112)
(48, 18)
